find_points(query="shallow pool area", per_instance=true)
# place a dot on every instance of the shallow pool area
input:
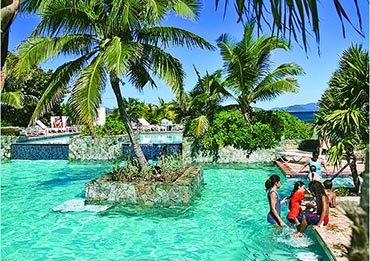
(226, 222)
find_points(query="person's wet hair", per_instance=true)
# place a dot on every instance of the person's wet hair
(328, 184)
(271, 181)
(317, 188)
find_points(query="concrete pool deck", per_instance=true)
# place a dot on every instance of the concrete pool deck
(336, 236)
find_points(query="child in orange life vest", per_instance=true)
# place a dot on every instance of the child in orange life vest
(296, 198)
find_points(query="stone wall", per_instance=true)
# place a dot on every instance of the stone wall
(105, 148)
(6, 145)
(181, 192)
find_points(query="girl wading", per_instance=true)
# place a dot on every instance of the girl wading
(272, 185)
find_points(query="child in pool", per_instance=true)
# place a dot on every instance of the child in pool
(313, 174)
(321, 217)
(296, 198)
(272, 185)
(328, 185)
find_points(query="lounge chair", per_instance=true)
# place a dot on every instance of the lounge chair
(294, 156)
(144, 125)
(46, 128)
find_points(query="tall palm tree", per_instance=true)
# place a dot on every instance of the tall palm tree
(247, 67)
(344, 118)
(112, 40)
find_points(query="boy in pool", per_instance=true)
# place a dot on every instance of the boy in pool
(313, 174)
(328, 185)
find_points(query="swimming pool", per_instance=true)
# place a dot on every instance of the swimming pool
(144, 138)
(227, 222)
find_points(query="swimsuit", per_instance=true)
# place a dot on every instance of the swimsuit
(318, 166)
(295, 205)
(270, 216)
(313, 219)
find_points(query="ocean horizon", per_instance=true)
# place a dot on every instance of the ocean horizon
(306, 116)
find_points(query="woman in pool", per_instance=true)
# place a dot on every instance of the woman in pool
(321, 217)
(272, 185)
(315, 161)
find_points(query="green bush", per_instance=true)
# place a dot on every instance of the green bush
(110, 128)
(284, 124)
(230, 128)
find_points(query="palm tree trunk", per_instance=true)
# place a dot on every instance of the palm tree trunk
(351, 159)
(9, 10)
(126, 121)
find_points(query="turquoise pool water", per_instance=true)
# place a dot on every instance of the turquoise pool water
(227, 222)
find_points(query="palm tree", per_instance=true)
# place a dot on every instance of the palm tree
(344, 118)
(293, 18)
(112, 40)
(247, 67)
(204, 100)
(344, 108)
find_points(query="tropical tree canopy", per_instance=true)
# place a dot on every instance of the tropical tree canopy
(291, 18)
(247, 67)
(344, 116)
(203, 102)
(108, 40)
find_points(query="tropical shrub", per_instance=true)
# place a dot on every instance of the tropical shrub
(230, 128)
(111, 127)
(167, 170)
(284, 124)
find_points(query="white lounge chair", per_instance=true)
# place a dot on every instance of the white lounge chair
(144, 125)
(287, 156)
(46, 128)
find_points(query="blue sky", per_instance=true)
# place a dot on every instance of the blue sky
(211, 24)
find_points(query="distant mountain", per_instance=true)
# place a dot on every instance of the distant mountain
(299, 107)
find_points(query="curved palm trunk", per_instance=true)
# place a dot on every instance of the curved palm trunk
(9, 10)
(351, 159)
(126, 121)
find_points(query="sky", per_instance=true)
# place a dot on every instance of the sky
(211, 24)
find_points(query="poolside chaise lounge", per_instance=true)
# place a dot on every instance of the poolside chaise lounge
(287, 156)
(46, 128)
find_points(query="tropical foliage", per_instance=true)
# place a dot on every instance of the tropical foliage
(344, 118)
(228, 128)
(248, 73)
(284, 125)
(202, 103)
(21, 94)
(112, 40)
(291, 18)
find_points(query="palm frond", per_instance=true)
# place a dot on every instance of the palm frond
(86, 93)
(67, 17)
(13, 99)
(171, 35)
(187, 8)
(58, 86)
